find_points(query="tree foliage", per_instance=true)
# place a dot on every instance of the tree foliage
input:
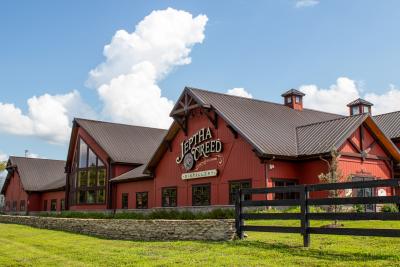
(3, 165)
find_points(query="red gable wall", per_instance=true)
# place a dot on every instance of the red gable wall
(236, 162)
(15, 192)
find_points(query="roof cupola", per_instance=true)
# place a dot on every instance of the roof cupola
(293, 99)
(360, 106)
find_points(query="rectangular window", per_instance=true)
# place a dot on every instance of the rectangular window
(45, 205)
(364, 192)
(83, 154)
(355, 110)
(62, 204)
(14, 206)
(22, 205)
(234, 186)
(288, 99)
(201, 195)
(53, 205)
(287, 195)
(101, 177)
(90, 196)
(124, 200)
(8, 206)
(169, 197)
(100, 196)
(297, 99)
(141, 200)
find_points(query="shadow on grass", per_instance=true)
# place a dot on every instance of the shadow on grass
(318, 253)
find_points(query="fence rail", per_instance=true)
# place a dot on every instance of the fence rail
(304, 201)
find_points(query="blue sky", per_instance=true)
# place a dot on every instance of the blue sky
(326, 48)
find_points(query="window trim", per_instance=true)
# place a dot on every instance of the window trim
(162, 196)
(147, 202)
(209, 194)
(22, 201)
(76, 188)
(297, 97)
(238, 181)
(45, 205)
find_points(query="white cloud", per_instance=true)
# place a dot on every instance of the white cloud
(239, 92)
(127, 82)
(335, 98)
(387, 102)
(3, 157)
(306, 3)
(49, 116)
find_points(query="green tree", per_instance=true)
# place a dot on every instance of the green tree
(334, 175)
(3, 165)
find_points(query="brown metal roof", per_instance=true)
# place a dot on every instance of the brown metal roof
(293, 92)
(134, 174)
(321, 137)
(360, 101)
(389, 123)
(124, 143)
(39, 174)
(269, 127)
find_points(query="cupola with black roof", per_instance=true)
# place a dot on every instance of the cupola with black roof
(360, 106)
(293, 99)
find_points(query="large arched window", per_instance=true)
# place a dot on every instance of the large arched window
(89, 176)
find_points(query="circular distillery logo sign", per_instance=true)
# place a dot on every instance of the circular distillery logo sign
(198, 146)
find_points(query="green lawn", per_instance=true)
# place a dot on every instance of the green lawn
(26, 246)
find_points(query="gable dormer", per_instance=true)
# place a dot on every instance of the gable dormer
(360, 106)
(293, 99)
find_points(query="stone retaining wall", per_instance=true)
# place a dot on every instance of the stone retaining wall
(128, 229)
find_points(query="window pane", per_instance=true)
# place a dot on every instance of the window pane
(92, 177)
(100, 196)
(124, 200)
(234, 187)
(92, 159)
(81, 197)
(102, 177)
(53, 205)
(62, 204)
(82, 154)
(100, 163)
(141, 200)
(356, 110)
(83, 177)
(289, 99)
(169, 197)
(201, 195)
(91, 196)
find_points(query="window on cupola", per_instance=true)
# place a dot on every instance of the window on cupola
(355, 110)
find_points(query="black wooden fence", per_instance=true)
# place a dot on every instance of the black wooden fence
(305, 215)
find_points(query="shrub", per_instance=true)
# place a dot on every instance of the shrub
(156, 214)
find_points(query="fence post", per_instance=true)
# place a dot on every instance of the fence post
(239, 212)
(305, 223)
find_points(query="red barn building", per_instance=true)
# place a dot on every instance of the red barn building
(34, 185)
(217, 144)
(99, 151)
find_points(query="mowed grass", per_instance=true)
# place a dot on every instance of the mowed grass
(26, 246)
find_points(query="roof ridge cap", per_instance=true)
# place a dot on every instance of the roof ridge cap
(123, 124)
(22, 157)
(258, 100)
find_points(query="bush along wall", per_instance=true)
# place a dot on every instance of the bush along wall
(128, 229)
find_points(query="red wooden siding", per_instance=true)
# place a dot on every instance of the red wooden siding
(15, 192)
(131, 188)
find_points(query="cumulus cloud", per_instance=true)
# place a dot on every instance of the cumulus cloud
(3, 157)
(386, 102)
(239, 92)
(127, 81)
(49, 116)
(337, 96)
(306, 3)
